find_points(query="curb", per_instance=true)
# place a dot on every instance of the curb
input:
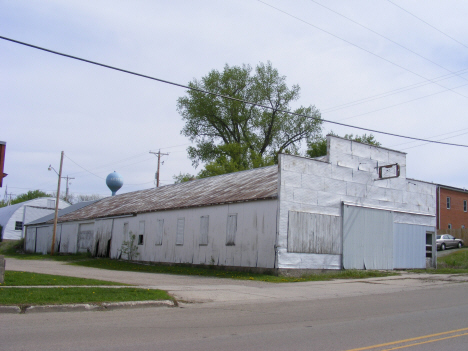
(106, 306)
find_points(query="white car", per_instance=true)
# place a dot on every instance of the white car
(446, 241)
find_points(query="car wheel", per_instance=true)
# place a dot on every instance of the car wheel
(460, 244)
(442, 247)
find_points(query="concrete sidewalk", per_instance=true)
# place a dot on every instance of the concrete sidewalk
(194, 289)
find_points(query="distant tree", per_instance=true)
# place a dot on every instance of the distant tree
(30, 195)
(319, 147)
(183, 177)
(88, 197)
(231, 135)
(70, 198)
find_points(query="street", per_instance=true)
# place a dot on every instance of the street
(356, 314)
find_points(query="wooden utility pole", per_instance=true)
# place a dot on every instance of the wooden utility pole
(159, 154)
(56, 207)
(66, 191)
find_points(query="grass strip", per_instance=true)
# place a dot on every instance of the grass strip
(14, 249)
(16, 278)
(214, 271)
(57, 296)
(455, 262)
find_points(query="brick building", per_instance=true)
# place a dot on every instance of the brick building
(452, 207)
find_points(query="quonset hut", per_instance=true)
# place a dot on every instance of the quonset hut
(353, 208)
(13, 217)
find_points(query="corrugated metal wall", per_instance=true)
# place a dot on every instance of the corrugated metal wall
(367, 238)
(409, 245)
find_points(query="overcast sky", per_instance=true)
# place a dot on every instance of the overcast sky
(399, 67)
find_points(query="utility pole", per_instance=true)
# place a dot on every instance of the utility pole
(66, 191)
(56, 206)
(159, 154)
(8, 197)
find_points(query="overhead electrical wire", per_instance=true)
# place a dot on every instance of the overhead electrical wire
(110, 164)
(453, 136)
(84, 168)
(391, 92)
(386, 38)
(427, 23)
(436, 136)
(398, 104)
(222, 96)
(361, 48)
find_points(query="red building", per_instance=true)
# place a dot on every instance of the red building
(452, 207)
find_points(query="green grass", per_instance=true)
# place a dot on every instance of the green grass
(213, 271)
(15, 278)
(57, 296)
(68, 295)
(455, 262)
(14, 249)
(206, 271)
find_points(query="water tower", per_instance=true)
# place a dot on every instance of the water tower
(114, 181)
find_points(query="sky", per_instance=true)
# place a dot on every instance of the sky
(394, 66)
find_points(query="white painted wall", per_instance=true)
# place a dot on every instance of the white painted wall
(254, 240)
(254, 243)
(348, 174)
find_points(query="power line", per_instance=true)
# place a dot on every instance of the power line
(386, 38)
(392, 92)
(221, 96)
(115, 162)
(453, 136)
(427, 23)
(436, 136)
(84, 168)
(360, 47)
(400, 103)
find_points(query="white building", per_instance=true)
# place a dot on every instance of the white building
(353, 208)
(13, 217)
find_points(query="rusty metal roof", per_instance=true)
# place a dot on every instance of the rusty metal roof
(255, 184)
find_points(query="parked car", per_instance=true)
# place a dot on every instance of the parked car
(446, 241)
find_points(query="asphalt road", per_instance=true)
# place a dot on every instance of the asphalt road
(342, 315)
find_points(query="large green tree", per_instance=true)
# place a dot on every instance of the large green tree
(231, 135)
(319, 147)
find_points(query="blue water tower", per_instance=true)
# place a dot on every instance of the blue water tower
(114, 181)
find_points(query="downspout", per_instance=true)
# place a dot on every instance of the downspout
(278, 199)
(438, 208)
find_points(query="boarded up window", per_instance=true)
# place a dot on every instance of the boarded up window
(159, 231)
(204, 223)
(125, 230)
(314, 233)
(85, 237)
(51, 203)
(141, 230)
(180, 231)
(231, 230)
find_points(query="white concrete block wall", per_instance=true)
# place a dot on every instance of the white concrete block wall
(351, 175)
